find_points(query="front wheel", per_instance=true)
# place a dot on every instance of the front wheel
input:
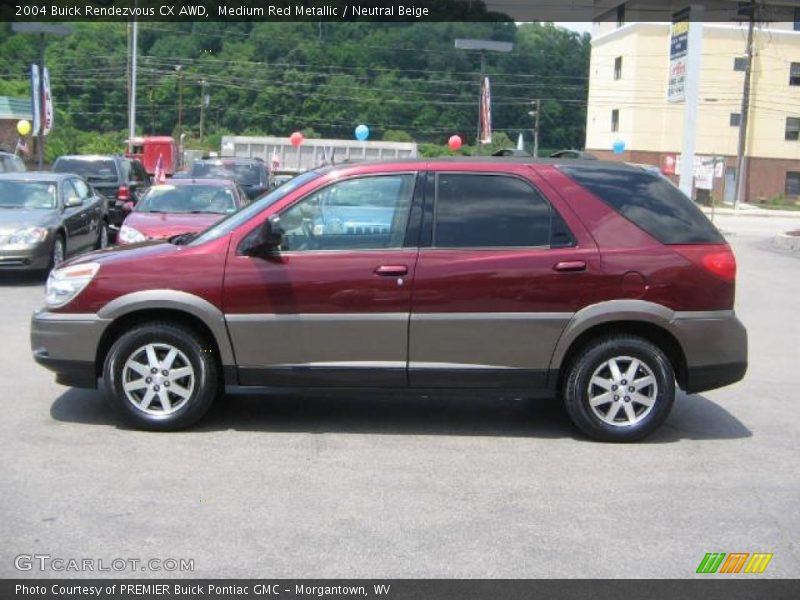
(102, 235)
(161, 377)
(619, 389)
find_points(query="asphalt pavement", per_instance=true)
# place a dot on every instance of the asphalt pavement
(415, 488)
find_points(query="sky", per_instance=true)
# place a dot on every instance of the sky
(575, 26)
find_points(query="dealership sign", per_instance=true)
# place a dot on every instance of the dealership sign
(678, 47)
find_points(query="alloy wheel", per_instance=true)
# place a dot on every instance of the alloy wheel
(158, 379)
(622, 391)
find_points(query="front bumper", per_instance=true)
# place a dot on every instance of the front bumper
(33, 258)
(67, 345)
(715, 347)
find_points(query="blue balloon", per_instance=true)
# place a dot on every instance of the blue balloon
(362, 133)
(618, 147)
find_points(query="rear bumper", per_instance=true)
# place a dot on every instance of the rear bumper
(715, 347)
(67, 345)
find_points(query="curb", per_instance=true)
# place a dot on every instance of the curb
(787, 242)
(752, 212)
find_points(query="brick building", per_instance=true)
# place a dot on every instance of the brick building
(11, 111)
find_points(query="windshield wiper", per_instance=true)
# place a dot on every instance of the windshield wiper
(205, 212)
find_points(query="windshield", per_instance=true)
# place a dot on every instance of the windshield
(91, 170)
(232, 222)
(188, 199)
(243, 173)
(27, 194)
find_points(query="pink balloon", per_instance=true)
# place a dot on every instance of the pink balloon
(296, 138)
(454, 143)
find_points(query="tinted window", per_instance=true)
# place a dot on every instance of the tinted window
(244, 173)
(650, 201)
(91, 170)
(360, 213)
(488, 211)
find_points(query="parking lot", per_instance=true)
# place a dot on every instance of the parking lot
(400, 487)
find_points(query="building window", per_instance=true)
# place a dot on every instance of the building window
(793, 183)
(794, 74)
(740, 63)
(615, 121)
(792, 128)
(736, 119)
(621, 15)
(618, 68)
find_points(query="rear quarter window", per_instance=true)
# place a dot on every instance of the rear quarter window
(650, 201)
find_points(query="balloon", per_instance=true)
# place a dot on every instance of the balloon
(618, 147)
(23, 127)
(454, 143)
(296, 138)
(362, 133)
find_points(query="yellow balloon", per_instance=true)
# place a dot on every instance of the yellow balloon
(23, 127)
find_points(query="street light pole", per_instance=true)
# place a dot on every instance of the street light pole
(180, 98)
(203, 102)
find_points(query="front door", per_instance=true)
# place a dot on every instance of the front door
(499, 281)
(331, 308)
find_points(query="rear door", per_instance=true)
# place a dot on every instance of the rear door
(499, 276)
(331, 308)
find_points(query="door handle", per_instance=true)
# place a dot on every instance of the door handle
(391, 270)
(570, 266)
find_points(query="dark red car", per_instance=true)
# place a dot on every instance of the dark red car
(597, 282)
(180, 206)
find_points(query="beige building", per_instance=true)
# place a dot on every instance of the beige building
(627, 104)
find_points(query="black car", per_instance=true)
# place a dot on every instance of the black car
(45, 217)
(250, 173)
(117, 178)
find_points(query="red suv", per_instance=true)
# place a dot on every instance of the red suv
(598, 282)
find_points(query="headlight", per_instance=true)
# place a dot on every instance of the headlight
(25, 238)
(129, 235)
(65, 284)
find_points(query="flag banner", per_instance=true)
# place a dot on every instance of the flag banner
(160, 175)
(47, 103)
(486, 113)
(36, 101)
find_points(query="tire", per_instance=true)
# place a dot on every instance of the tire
(57, 252)
(627, 416)
(102, 235)
(154, 401)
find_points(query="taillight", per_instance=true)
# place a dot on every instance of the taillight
(717, 259)
(123, 193)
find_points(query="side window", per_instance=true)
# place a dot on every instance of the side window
(492, 211)
(355, 214)
(125, 170)
(132, 168)
(81, 188)
(67, 190)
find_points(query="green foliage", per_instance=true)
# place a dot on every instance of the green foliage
(406, 81)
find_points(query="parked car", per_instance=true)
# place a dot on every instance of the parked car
(250, 173)
(11, 163)
(45, 217)
(594, 281)
(119, 179)
(181, 206)
(278, 180)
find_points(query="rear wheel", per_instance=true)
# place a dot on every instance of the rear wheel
(619, 389)
(161, 376)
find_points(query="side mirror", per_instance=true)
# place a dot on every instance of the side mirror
(73, 201)
(268, 237)
(127, 206)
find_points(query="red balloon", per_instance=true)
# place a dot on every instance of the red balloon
(454, 143)
(296, 138)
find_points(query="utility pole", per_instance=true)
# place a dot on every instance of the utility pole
(741, 149)
(693, 58)
(537, 104)
(180, 98)
(203, 104)
(132, 92)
